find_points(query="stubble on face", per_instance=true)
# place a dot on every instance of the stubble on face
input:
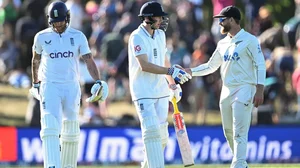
(225, 29)
(158, 21)
(59, 26)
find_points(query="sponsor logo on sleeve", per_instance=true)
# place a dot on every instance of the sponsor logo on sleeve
(259, 49)
(137, 48)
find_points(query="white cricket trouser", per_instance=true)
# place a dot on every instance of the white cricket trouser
(153, 115)
(62, 100)
(236, 117)
(59, 101)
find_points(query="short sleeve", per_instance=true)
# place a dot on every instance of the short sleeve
(37, 47)
(137, 45)
(84, 46)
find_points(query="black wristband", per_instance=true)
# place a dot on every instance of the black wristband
(36, 85)
(170, 71)
(98, 81)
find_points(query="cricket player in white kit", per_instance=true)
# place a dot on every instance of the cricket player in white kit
(243, 73)
(149, 78)
(55, 77)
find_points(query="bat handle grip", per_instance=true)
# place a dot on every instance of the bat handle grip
(176, 111)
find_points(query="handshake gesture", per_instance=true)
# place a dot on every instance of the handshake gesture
(179, 74)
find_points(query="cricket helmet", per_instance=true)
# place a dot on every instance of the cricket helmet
(152, 9)
(57, 12)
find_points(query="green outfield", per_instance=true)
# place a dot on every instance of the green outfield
(195, 166)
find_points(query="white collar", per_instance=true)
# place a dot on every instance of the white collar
(146, 32)
(238, 34)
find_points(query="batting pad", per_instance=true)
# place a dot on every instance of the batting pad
(152, 142)
(50, 139)
(164, 134)
(69, 143)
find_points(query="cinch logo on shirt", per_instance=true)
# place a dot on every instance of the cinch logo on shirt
(66, 54)
(234, 57)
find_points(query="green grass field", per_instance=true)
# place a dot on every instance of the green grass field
(14, 101)
(196, 166)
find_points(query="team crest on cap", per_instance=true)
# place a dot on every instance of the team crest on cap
(55, 13)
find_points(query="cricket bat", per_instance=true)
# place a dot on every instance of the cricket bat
(182, 136)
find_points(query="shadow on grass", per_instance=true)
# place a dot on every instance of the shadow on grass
(6, 120)
(13, 96)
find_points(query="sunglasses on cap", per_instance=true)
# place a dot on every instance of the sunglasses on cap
(222, 19)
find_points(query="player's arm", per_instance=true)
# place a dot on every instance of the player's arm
(211, 66)
(85, 52)
(35, 64)
(36, 59)
(99, 90)
(137, 45)
(149, 67)
(91, 66)
(175, 89)
(168, 77)
(259, 61)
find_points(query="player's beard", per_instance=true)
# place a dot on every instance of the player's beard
(60, 29)
(154, 26)
(225, 29)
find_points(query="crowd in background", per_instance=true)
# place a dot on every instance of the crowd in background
(192, 36)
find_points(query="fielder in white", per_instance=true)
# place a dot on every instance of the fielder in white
(243, 73)
(55, 77)
(149, 78)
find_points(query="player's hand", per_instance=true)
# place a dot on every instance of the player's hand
(188, 70)
(258, 98)
(99, 92)
(178, 74)
(175, 91)
(35, 90)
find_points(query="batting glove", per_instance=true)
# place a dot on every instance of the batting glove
(175, 91)
(99, 92)
(179, 74)
(35, 90)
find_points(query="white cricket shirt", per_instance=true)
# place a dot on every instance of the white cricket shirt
(145, 85)
(241, 60)
(60, 54)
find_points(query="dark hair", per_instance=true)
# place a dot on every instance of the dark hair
(237, 21)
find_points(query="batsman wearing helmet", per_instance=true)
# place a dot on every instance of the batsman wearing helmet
(148, 70)
(243, 72)
(55, 77)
